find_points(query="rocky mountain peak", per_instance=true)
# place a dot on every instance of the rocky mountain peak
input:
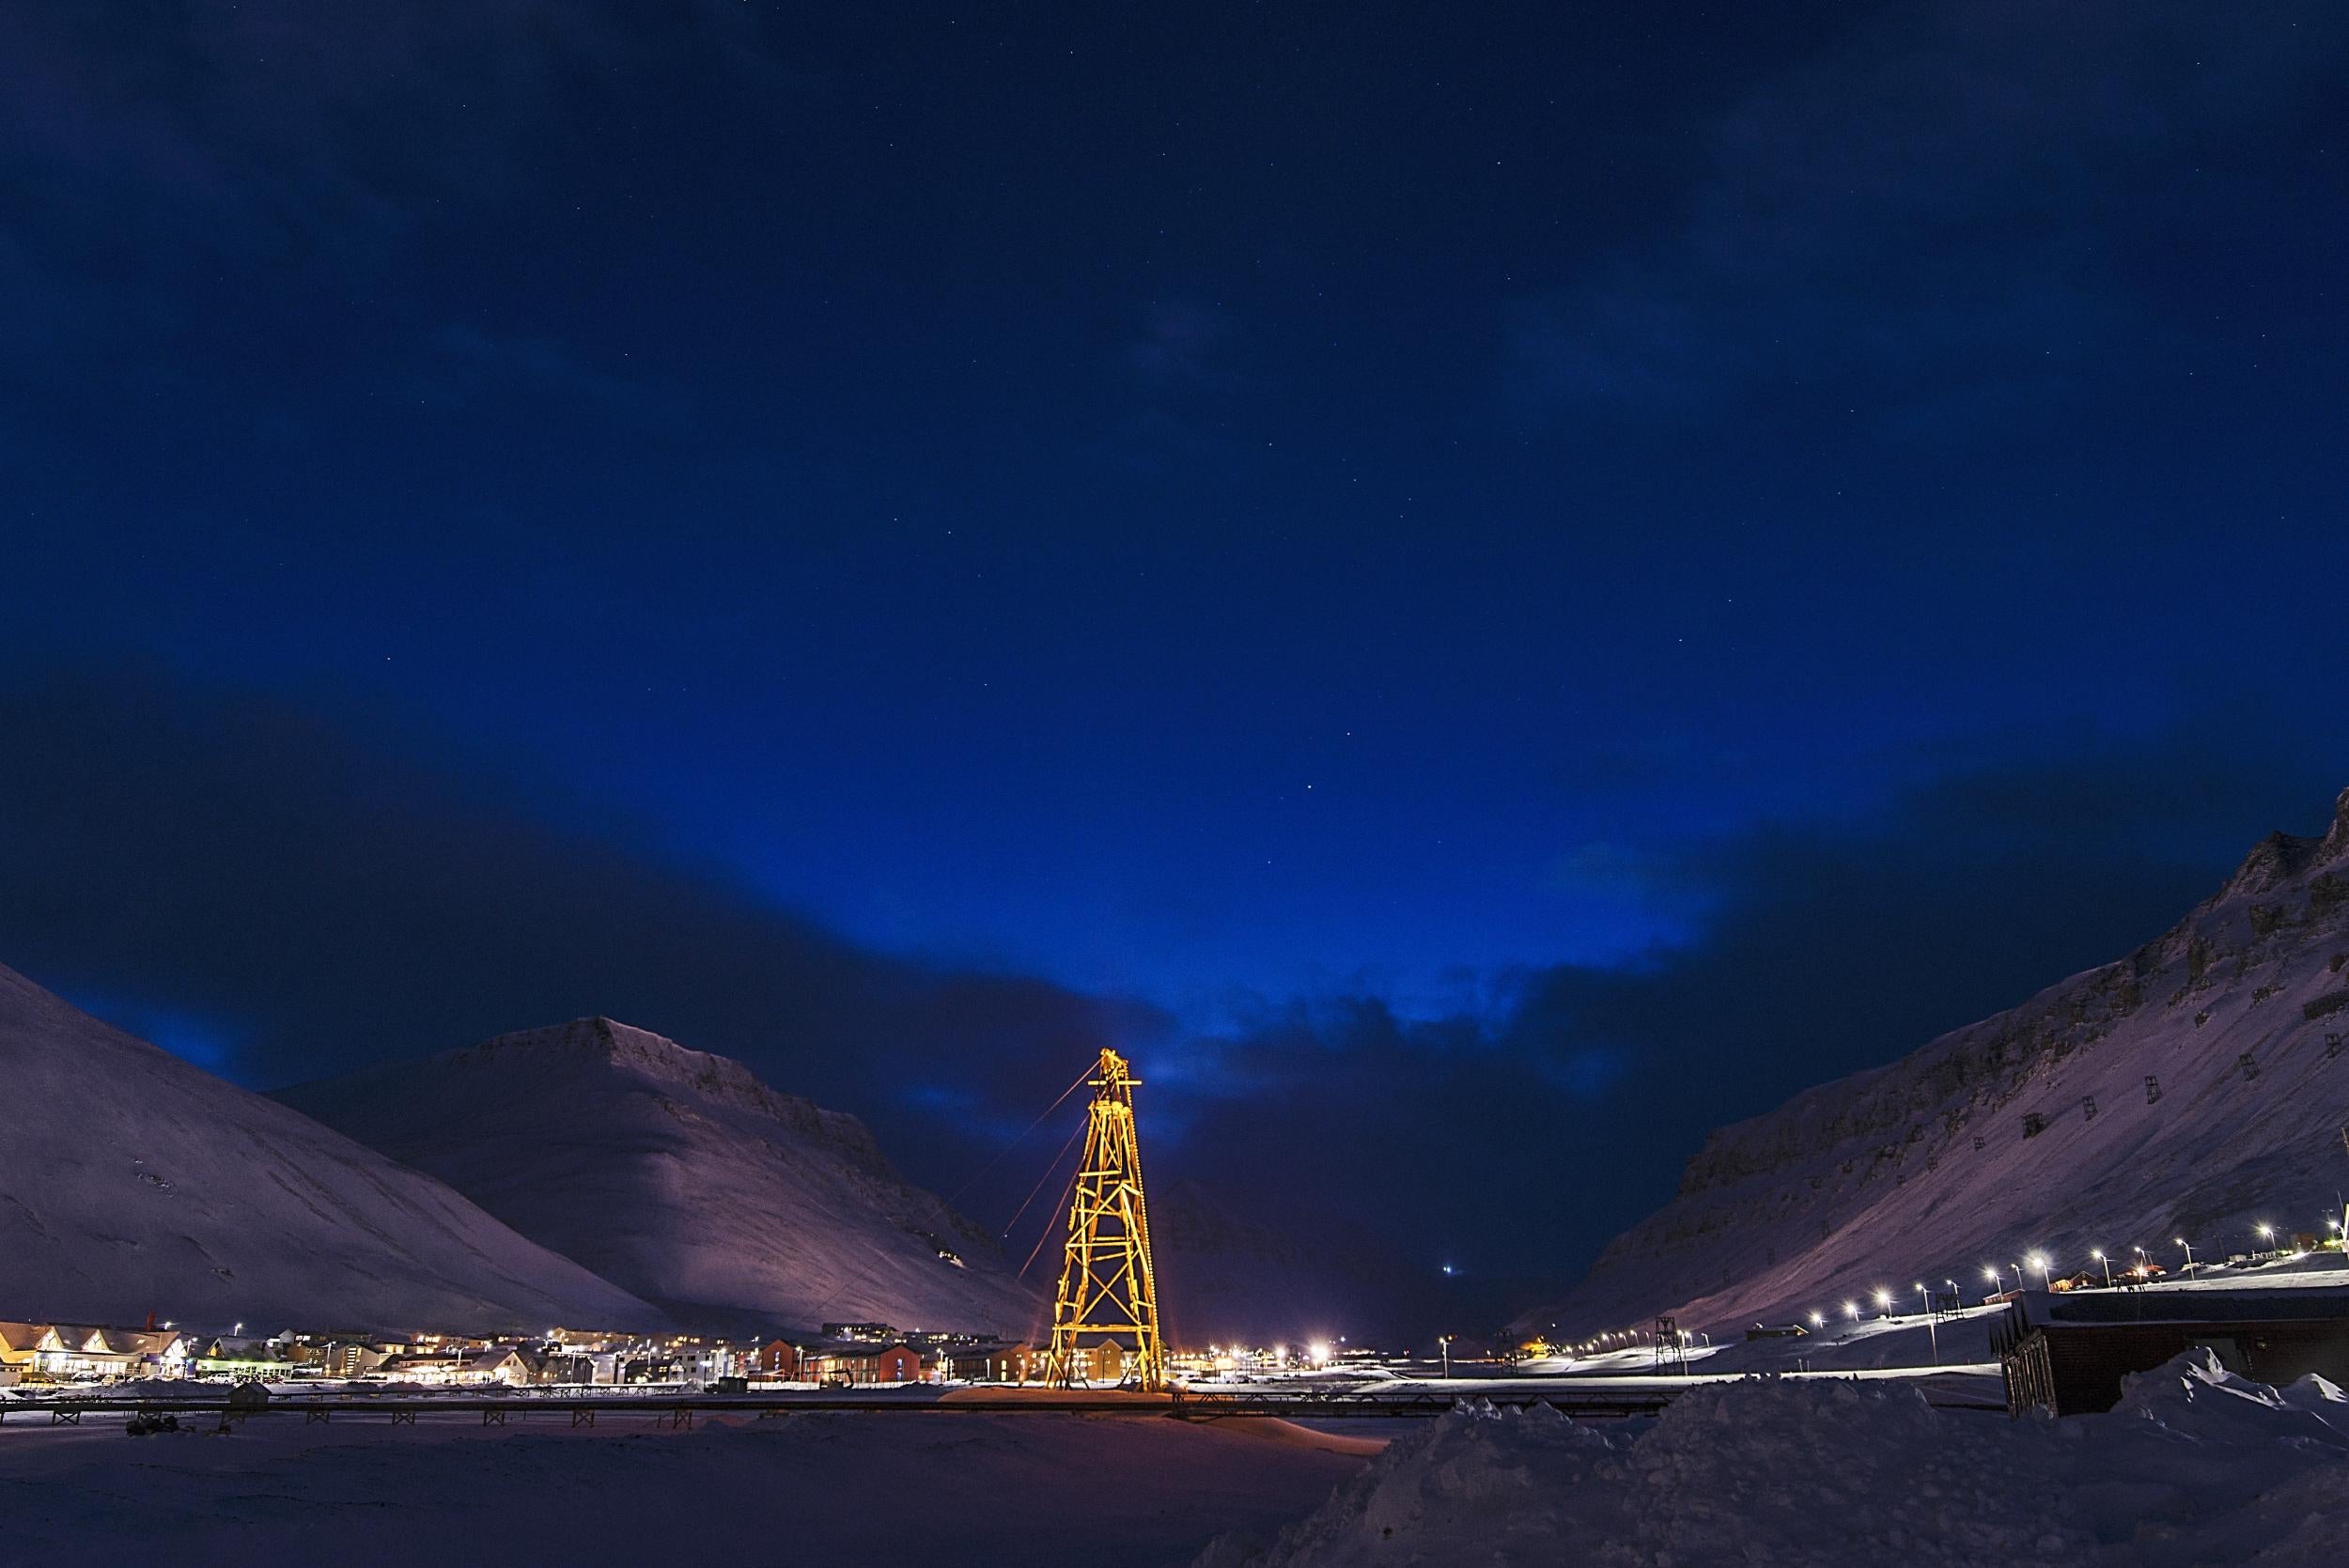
(2281, 857)
(608, 1040)
(605, 1043)
(2336, 842)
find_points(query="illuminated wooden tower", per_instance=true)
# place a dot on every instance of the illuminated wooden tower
(1109, 1293)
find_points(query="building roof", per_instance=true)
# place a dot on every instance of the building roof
(2105, 1307)
(23, 1336)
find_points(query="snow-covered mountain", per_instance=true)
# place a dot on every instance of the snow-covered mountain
(680, 1176)
(2196, 1088)
(133, 1181)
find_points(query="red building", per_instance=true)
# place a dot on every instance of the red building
(899, 1364)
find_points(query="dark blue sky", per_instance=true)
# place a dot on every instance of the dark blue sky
(1370, 553)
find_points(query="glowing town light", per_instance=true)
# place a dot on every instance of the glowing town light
(1320, 1351)
(1818, 1320)
(1851, 1310)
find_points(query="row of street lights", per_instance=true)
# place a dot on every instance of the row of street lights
(1994, 1276)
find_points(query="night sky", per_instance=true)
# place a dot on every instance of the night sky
(1485, 588)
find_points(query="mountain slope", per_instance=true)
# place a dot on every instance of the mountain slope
(131, 1181)
(683, 1178)
(2195, 1088)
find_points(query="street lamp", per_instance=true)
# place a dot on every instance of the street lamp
(1851, 1310)
(2039, 1262)
(1990, 1272)
(2189, 1253)
(2100, 1257)
(1883, 1301)
(2267, 1235)
(1445, 1341)
(1818, 1320)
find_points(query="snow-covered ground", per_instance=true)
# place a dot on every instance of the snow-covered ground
(1950, 1356)
(1867, 1344)
(835, 1491)
(2195, 1467)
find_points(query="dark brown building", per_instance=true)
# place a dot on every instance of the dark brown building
(2068, 1353)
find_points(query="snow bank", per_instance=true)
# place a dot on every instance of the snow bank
(2199, 1399)
(2197, 1467)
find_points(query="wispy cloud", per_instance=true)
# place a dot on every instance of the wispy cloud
(1925, 222)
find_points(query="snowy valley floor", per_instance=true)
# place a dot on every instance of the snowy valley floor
(810, 1491)
(2196, 1467)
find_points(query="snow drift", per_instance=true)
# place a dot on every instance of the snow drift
(2193, 1088)
(2197, 1467)
(132, 1182)
(680, 1176)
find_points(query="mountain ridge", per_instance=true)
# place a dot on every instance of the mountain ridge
(133, 1181)
(2173, 1089)
(684, 1175)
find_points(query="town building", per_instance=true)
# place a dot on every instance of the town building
(858, 1367)
(862, 1333)
(993, 1363)
(460, 1369)
(777, 1358)
(20, 1343)
(2067, 1354)
(71, 1353)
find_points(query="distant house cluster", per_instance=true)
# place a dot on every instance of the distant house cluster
(841, 1355)
(865, 1354)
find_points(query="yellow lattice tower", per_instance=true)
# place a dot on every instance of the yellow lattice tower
(1109, 1293)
